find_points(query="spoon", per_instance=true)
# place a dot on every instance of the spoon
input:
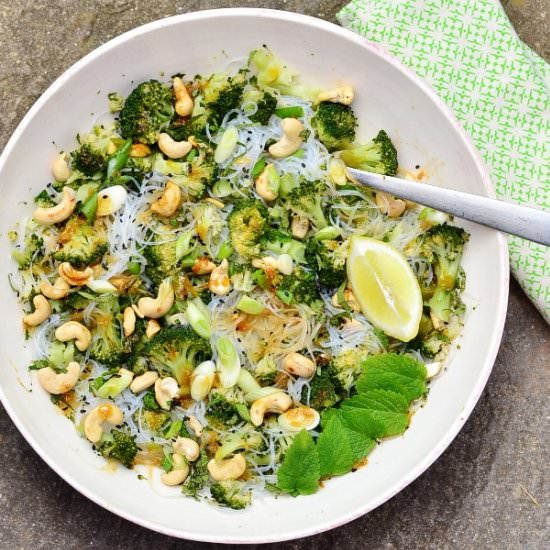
(528, 223)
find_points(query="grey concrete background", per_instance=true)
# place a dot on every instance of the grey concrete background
(489, 489)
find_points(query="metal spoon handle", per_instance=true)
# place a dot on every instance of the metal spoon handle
(528, 223)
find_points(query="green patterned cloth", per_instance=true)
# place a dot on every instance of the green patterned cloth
(469, 53)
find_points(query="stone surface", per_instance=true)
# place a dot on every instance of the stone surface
(488, 490)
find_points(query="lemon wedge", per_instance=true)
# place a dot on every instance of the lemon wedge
(385, 287)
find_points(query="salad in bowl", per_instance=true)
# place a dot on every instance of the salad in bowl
(210, 294)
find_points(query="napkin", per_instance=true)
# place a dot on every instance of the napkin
(468, 51)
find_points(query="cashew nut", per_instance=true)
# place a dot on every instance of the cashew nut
(159, 306)
(187, 447)
(389, 205)
(349, 298)
(151, 328)
(219, 282)
(139, 150)
(203, 266)
(144, 381)
(75, 277)
(299, 365)
(299, 227)
(282, 263)
(290, 141)
(343, 95)
(42, 310)
(195, 425)
(263, 184)
(277, 402)
(58, 290)
(227, 469)
(110, 200)
(179, 472)
(285, 264)
(106, 412)
(299, 418)
(351, 325)
(165, 391)
(184, 102)
(60, 168)
(129, 321)
(62, 382)
(73, 330)
(172, 148)
(60, 211)
(167, 204)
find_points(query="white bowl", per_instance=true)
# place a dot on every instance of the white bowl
(388, 96)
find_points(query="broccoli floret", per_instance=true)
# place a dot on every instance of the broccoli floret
(108, 345)
(223, 407)
(266, 371)
(209, 221)
(306, 201)
(223, 93)
(328, 260)
(59, 356)
(247, 222)
(121, 446)
(429, 217)
(242, 277)
(203, 173)
(81, 243)
(44, 199)
(324, 390)
(429, 345)
(443, 245)
(178, 350)
(300, 288)
(198, 478)
(146, 112)
(266, 105)
(378, 156)
(32, 251)
(87, 160)
(280, 242)
(346, 366)
(243, 439)
(161, 258)
(155, 420)
(271, 75)
(335, 125)
(231, 494)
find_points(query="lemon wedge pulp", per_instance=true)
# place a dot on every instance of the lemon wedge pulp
(385, 287)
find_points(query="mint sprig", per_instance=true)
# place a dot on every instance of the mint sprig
(299, 472)
(381, 408)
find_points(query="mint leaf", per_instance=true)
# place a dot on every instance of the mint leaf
(375, 423)
(383, 400)
(299, 472)
(398, 373)
(335, 453)
(361, 443)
